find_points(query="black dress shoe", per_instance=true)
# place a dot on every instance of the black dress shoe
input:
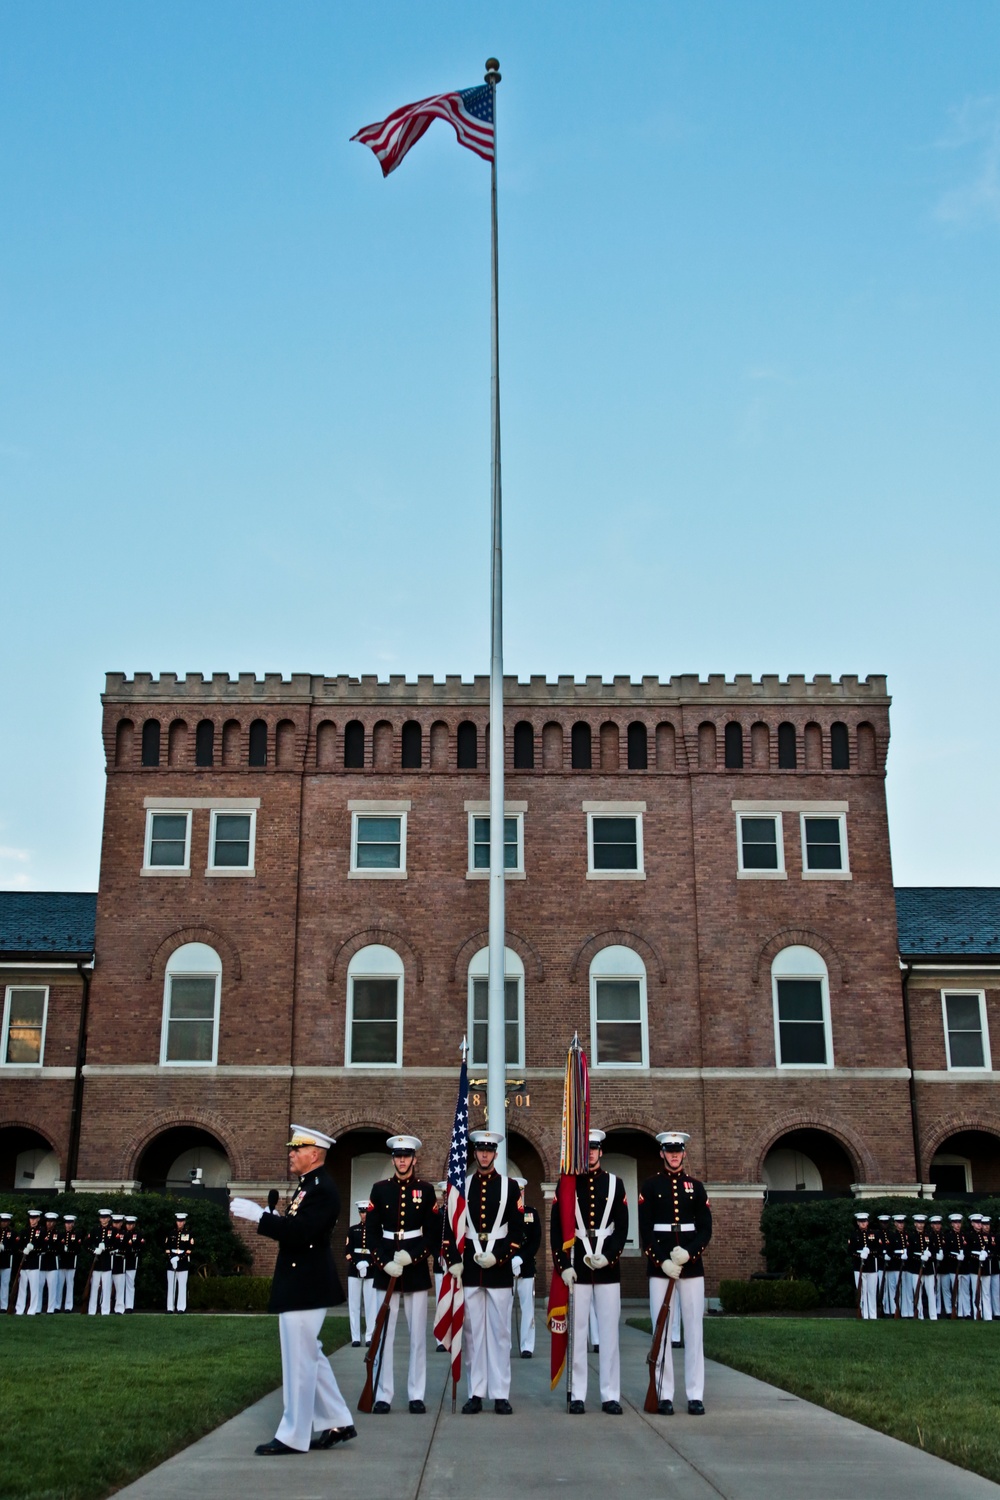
(576, 1408)
(273, 1449)
(380, 1408)
(472, 1406)
(664, 1408)
(696, 1408)
(526, 1354)
(418, 1408)
(355, 1343)
(597, 1348)
(440, 1349)
(613, 1408)
(332, 1436)
(503, 1408)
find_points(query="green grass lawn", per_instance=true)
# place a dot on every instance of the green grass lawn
(935, 1385)
(89, 1404)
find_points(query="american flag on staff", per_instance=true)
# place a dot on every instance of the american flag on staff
(469, 111)
(449, 1315)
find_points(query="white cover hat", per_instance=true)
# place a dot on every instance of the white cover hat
(304, 1135)
(596, 1137)
(484, 1138)
(674, 1139)
(401, 1145)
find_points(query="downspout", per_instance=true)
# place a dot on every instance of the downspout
(914, 1120)
(85, 971)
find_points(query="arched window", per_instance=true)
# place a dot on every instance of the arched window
(191, 992)
(258, 743)
(760, 747)
(813, 739)
(666, 747)
(610, 743)
(412, 747)
(375, 1008)
(734, 747)
(326, 745)
(801, 998)
(204, 743)
(579, 747)
(787, 753)
(479, 970)
(124, 742)
(439, 746)
(618, 1029)
(468, 746)
(840, 748)
(638, 754)
(552, 746)
(177, 743)
(151, 742)
(524, 747)
(354, 746)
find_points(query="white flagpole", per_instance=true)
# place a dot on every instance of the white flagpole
(496, 1060)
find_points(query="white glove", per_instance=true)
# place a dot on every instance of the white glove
(568, 1276)
(362, 1270)
(679, 1256)
(393, 1268)
(983, 1254)
(515, 1264)
(940, 1255)
(902, 1255)
(597, 1262)
(671, 1269)
(960, 1255)
(864, 1253)
(403, 1258)
(29, 1248)
(485, 1259)
(455, 1270)
(926, 1255)
(174, 1259)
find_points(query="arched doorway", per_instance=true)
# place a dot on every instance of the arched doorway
(185, 1160)
(632, 1155)
(967, 1162)
(807, 1164)
(28, 1163)
(358, 1160)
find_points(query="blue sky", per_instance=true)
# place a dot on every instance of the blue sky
(750, 346)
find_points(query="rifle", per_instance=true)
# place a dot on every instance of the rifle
(570, 1340)
(376, 1351)
(14, 1283)
(86, 1288)
(857, 1294)
(656, 1351)
(899, 1290)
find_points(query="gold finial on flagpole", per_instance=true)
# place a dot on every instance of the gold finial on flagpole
(464, 1049)
(492, 70)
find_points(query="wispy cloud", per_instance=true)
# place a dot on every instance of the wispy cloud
(974, 133)
(13, 875)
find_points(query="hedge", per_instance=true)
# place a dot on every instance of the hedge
(808, 1241)
(229, 1293)
(767, 1296)
(218, 1249)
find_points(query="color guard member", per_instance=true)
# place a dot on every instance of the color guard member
(29, 1290)
(403, 1230)
(51, 1245)
(8, 1241)
(524, 1284)
(924, 1295)
(180, 1243)
(134, 1243)
(865, 1246)
(99, 1243)
(360, 1286)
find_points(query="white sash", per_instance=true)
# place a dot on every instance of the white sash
(499, 1230)
(605, 1229)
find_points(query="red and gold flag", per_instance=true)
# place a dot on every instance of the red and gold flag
(575, 1142)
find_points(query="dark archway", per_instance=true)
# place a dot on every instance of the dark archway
(357, 1160)
(967, 1162)
(632, 1155)
(169, 1161)
(27, 1161)
(808, 1164)
(526, 1162)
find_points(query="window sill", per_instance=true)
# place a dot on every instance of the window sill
(618, 1067)
(376, 875)
(485, 875)
(804, 1067)
(174, 870)
(230, 874)
(616, 874)
(368, 1066)
(827, 875)
(176, 1062)
(762, 875)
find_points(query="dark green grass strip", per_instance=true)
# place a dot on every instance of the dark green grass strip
(89, 1404)
(935, 1385)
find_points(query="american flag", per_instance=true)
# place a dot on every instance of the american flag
(470, 111)
(449, 1315)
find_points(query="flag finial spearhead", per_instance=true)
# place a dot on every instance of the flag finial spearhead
(464, 1048)
(492, 71)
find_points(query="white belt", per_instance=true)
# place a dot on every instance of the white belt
(666, 1228)
(402, 1234)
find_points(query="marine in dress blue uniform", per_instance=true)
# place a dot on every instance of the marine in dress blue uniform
(403, 1233)
(360, 1286)
(524, 1284)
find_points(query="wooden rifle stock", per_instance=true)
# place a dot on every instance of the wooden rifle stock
(660, 1332)
(14, 1282)
(375, 1352)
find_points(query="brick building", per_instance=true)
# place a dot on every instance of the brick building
(291, 923)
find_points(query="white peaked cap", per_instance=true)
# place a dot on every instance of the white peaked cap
(522, 1182)
(676, 1138)
(596, 1137)
(304, 1135)
(361, 1204)
(404, 1143)
(484, 1138)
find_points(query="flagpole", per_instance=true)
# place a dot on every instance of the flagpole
(496, 1058)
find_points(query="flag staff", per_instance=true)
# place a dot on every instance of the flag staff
(496, 1049)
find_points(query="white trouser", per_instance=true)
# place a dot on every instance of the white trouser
(312, 1399)
(524, 1287)
(361, 1293)
(177, 1291)
(51, 1281)
(29, 1282)
(946, 1286)
(68, 1288)
(592, 1328)
(890, 1286)
(995, 1295)
(675, 1330)
(927, 1296)
(982, 1306)
(966, 1292)
(691, 1295)
(415, 1305)
(487, 1340)
(4, 1288)
(868, 1303)
(100, 1291)
(130, 1275)
(907, 1292)
(118, 1288)
(603, 1304)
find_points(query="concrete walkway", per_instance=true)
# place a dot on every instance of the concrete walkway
(755, 1443)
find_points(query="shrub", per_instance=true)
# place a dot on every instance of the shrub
(229, 1293)
(767, 1296)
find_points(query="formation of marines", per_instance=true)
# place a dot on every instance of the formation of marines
(926, 1266)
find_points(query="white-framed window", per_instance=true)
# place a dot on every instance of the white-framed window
(824, 846)
(168, 842)
(25, 1010)
(378, 840)
(375, 1008)
(479, 970)
(232, 841)
(191, 993)
(614, 840)
(801, 997)
(479, 840)
(619, 1035)
(760, 846)
(966, 1034)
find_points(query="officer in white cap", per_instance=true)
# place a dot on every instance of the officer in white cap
(360, 1285)
(29, 1291)
(68, 1254)
(524, 1284)
(675, 1226)
(51, 1239)
(403, 1233)
(923, 1295)
(953, 1245)
(494, 1233)
(864, 1245)
(8, 1241)
(992, 1243)
(179, 1247)
(592, 1266)
(979, 1269)
(99, 1242)
(118, 1263)
(133, 1249)
(304, 1285)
